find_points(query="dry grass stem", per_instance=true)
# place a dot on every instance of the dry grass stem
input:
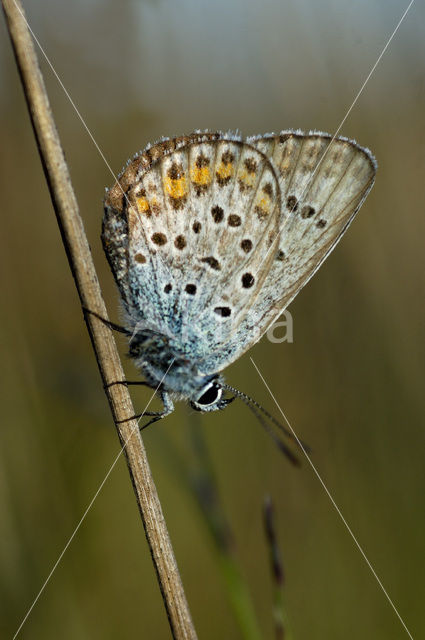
(81, 263)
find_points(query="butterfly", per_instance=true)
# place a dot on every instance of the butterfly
(210, 236)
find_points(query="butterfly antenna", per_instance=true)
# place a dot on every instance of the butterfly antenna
(280, 445)
(251, 403)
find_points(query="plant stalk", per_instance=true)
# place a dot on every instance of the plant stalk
(83, 271)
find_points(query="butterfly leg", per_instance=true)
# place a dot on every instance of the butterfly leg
(156, 415)
(111, 325)
(168, 408)
(116, 327)
(129, 382)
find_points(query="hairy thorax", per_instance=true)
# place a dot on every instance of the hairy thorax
(163, 364)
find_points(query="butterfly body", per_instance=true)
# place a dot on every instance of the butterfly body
(209, 238)
(154, 355)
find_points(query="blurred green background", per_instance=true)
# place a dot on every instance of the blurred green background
(351, 383)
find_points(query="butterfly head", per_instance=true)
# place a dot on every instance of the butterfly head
(210, 397)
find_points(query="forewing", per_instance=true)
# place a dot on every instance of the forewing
(202, 213)
(323, 183)
(127, 207)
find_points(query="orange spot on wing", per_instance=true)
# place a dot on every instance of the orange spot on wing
(200, 175)
(143, 205)
(262, 206)
(225, 171)
(247, 178)
(176, 188)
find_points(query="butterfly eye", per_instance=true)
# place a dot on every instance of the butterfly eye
(210, 395)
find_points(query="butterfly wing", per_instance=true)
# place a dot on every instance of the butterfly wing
(323, 182)
(186, 227)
